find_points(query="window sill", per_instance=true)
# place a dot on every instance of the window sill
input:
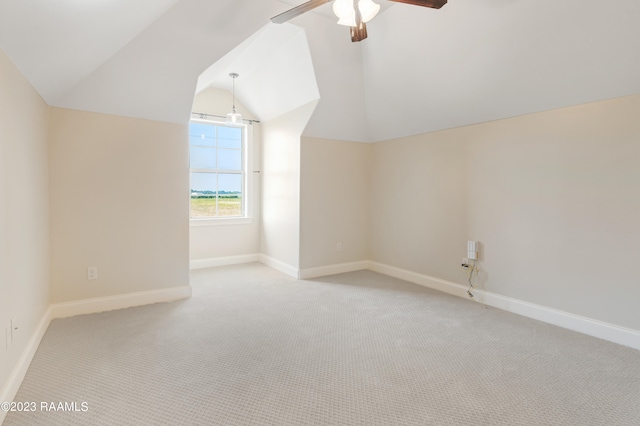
(221, 221)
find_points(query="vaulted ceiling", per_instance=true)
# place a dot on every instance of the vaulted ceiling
(420, 70)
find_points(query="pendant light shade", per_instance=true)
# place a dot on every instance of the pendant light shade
(343, 10)
(234, 118)
(368, 9)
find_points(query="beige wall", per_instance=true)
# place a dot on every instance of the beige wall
(24, 211)
(334, 202)
(213, 241)
(418, 204)
(280, 232)
(119, 201)
(553, 198)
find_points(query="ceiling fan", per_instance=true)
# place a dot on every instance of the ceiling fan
(351, 13)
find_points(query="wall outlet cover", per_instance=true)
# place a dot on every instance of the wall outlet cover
(92, 273)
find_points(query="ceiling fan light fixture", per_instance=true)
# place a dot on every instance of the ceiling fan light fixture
(368, 9)
(234, 118)
(346, 13)
(351, 13)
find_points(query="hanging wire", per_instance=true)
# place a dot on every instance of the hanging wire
(471, 270)
(233, 90)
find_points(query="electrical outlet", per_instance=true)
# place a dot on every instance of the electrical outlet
(92, 273)
(339, 246)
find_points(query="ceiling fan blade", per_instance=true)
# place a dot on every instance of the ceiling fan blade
(434, 4)
(297, 11)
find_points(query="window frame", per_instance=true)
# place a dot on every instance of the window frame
(247, 187)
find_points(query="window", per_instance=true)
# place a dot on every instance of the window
(218, 162)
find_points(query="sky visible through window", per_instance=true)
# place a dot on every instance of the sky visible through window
(216, 170)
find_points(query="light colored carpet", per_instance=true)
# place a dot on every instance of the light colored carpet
(254, 347)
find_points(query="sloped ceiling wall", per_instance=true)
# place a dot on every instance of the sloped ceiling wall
(341, 112)
(58, 43)
(275, 70)
(148, 71)
(155, 75)
(420, 70)
(480, 60)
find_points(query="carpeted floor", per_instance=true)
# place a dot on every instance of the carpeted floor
(254, 347)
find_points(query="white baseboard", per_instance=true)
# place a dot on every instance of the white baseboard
(339, 268)
(222, 261)
(611, 332)
(606, 331)
(121, 301)
(279, 265)
(420, 279)
(11, 386)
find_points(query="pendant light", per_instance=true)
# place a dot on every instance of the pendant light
(234, 118)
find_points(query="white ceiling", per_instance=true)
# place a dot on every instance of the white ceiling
(420, 70)
(57, 43)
